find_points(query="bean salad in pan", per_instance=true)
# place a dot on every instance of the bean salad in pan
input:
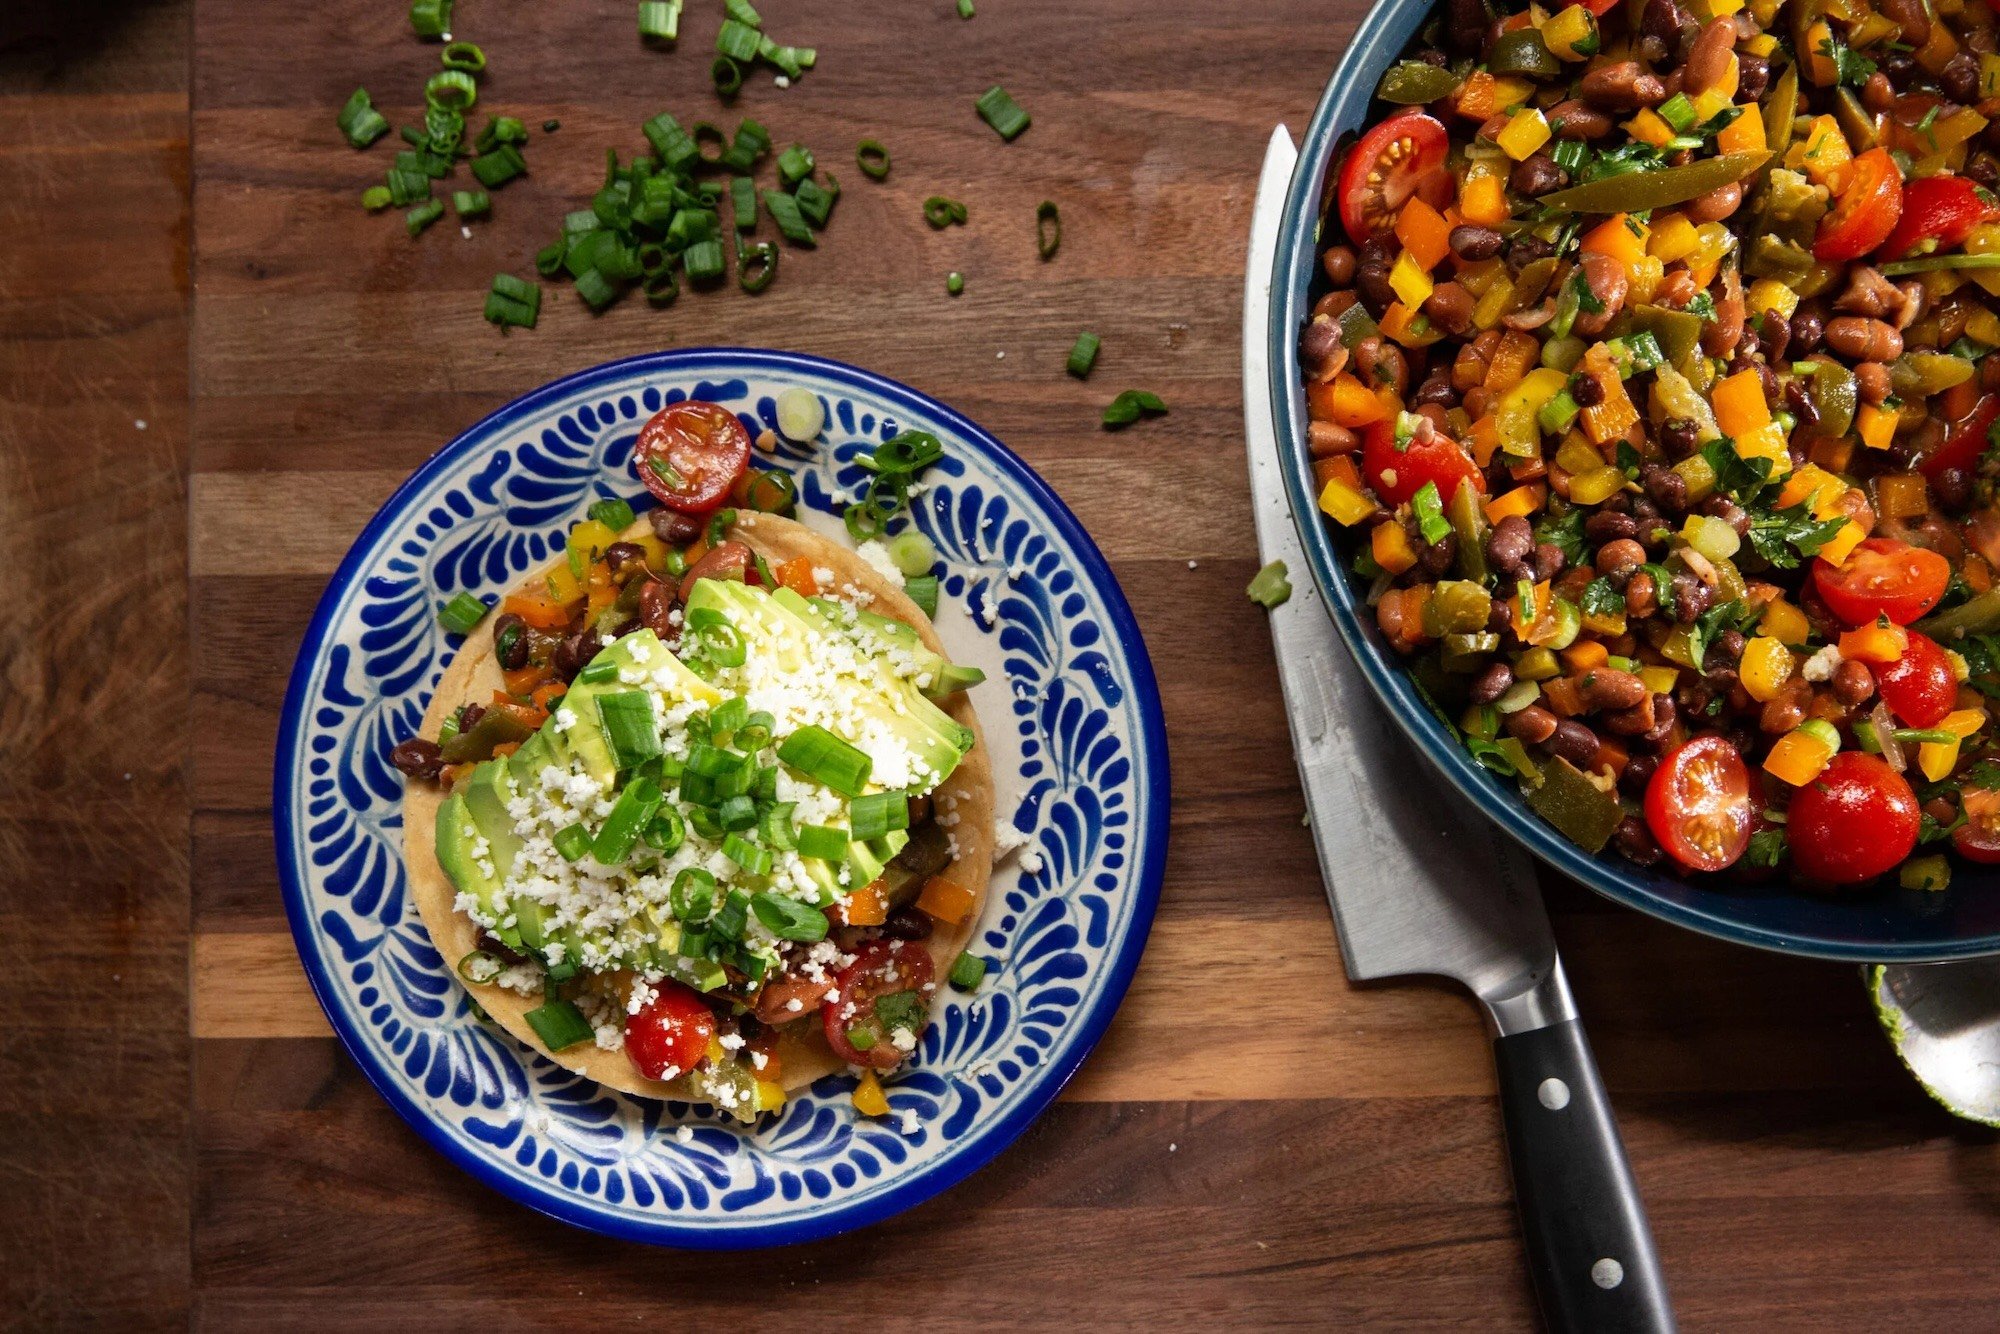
(1652, 387)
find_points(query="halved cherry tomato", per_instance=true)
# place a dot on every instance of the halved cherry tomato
(1398, 474)
(1402, 156)
(1978, 839)
(1853, 822)
(1882, 577)
(1866, 211)
(1936, 208)
(881, 969)
(1966, 440)
(1698, 804)
(1598, 7)
(729, 561)
(670, 1035)
(1919, 687)
(689, 455)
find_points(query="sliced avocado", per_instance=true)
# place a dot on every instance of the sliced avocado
(643, 649)
(536, 753)
(456, 835)
(772, 628)
(486, 796)
(873, 633)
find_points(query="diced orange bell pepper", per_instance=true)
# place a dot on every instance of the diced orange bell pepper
(1344, 401)
(1739, 404)
(1544, 607)
(1391, 548)
(1875, 643)
(1484, 439)
(1522, 500)
(797, 575)
(547, 695)
(1841, 545)
(1411, 328)
(454, 774)
(1611, 756)
(1876, 426)
(866, 906)
(1517, 352)
(1745, 134)
(1562, 696)
(505, 748)
(1585, 655)
(1621, 237)
(945, 900)
(1797, 758)
(1484, 201)
(1833, 453)
(523, 680)
(544, 613)
(1477, 98)
(1901, 495)
(1423, 232)
(1340, 467)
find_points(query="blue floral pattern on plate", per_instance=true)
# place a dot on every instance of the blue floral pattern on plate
(1070, 710)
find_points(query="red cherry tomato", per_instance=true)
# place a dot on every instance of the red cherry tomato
(1402, 156)
(1966, 440)
(1398, 474)
(1852, 823)
(1882, 577)
(880, 969)
(690, 454)
(1919, 686)
(670, 1035)
(1698, 804)
(1936, 208)
(1978, 839)
(1602, 7)
(1866, 211)
(731, 560)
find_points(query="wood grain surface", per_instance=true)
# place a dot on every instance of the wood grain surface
(1256, 1144)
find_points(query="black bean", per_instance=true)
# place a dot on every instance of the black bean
(907, 924)
(510, 641)
(1492, 683)
(1800, 401)
(1960, 78)
(469, 715)
(1606, 526)
(1667, 488)
(1639, 770)
(1753, 76)
(1574, 742)
(1549, 561)
(624, 558)
(1538, 174)
(1437, 389)
(1808, 331)
(1635, 840)
(1587, 390)
(575, 653)
(1722, 507)
(1472, 242)
(1691, 597)
(418, 758)
(1436, 557)
(1680, 437)
(1507, 550)
(674, 527)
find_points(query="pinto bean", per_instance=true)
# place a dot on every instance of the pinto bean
(1871, 381)
(675, 528)
(1531, 726)
(1608, 284)
(1512, 542)
(1537, 175)
(1716, 205)
(1860, 339)
(1853, 683)
(1708, 59)
(1641, 598)
(1319, 345)
(418, 758)
(1616, 560)
(1380, 362)
(1579, 120)
(1604, 689)
(1472, 242)
(1328, 439)
(1491, 684)
(1339, 264)
(1621, 86)
(1450, 306)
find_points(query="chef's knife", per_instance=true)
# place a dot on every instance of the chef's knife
(1420, 882)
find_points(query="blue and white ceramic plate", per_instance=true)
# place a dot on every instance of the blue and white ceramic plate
(1079, 749)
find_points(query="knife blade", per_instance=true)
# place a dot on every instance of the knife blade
(1421, 883)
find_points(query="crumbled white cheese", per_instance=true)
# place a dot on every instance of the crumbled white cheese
(684, 1135)
(1821, 666)
(908, 1122)
(877, 556)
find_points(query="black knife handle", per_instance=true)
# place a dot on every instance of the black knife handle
(1589, 1247)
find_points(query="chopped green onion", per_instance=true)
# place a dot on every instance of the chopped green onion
(801, 416)
(1926, 263)
(826, 759)
(1127, 407)
(662, 288)
(941, 212)
(815, 201)
(407, 187)
(820, 841)
(743, 199)
(872, 158)
(954, 283)
(1000, 111)
(629, 727)
(737, 813)
(877, 813)
(704, 261)
(451, 90)
(572, 842)
(912, 553)
(726, 75)
(660, 20)
(360, 121)
(667, 831)
(500, 166)
(1083, 354)
(743, 12)
(596, 290)
(376, 198)
(1679, 113)
(795, 164)
(862, 522)
(599, 672)
(693, 895)
(479, 966)
(631, 815)
(756, 268)
(471, 203)
(922, 589)
(965, 9)
(1428, 507)
(559, 1024)
(861, 1039)
(750, 144)
(789, 919)
(750, 856)
(431, 18)
(615, 514)
(1269, 587)
(771, 490)
(1934, 735)
(793, 60)
(1048, 229)
(501, 130)
(968, 970)
(738, 41)
(784, 210)
(463, 56)
(463, 613)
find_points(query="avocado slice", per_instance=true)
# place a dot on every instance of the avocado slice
(536, 753)
(873, 633)
(456, 833)
(643, 649)
(486, 796)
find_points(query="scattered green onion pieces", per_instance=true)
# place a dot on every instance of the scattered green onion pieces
(801, 416)
(789, 919)
(572, 842)
(471, 203)
(727, 75)
(629, 727)
(815, 200)
(968, 970)
(1128, 406)
(463, 614)
(514, 302)
(877, 813)
(451, 90)
(479, 967)
(360, 121)
(1002, 112)
(1083, 354)
(922, 589)
(376, 198)
(784, 210)
(630, 816)
(660, 20)
(738, 41)
(559, 1024)
(693, 895)
(498, 167)
(599, 672)
(965, 9)
(826, 759)
(861, 1039)
(1270, 587)
(827, 844)
(1048, 229)
(872, 158)
(912, 553)
(615, 514)
(732, 916)
(795, 164)
(941, 212)
(431, 18)
(463, 56)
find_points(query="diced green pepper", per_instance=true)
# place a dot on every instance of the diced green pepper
(1656, 189)
(1457, 606)
(1978, 616)
(1413, 82)
(1523, 51)
(1468, 523)
(1677, 332)
(1834, 397)
(1580, 810)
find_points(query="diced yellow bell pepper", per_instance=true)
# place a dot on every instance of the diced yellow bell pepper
(1660, 680)
(1524, 134)
(1765, 667)
(770, 1097)
(1483, 200)
(1611, 418)
(1492, 304)
(1597, 486)
(1982, 325)
(1822, 153)
(1875, 643)
(1673, 237)
(1732, 79)
(1412, 283)
(1511, 92)
(1391, 547)
(1763, 44)
(1343, 504)
(563, 585)
(1797, 758)
(1938, 758)
(1964, 721)
(1713, 241)
(1577, 455)
(1608, 624)
(1875, 425)
(1820, 67)
(1785, 623)
(1569, 29)
(1520, 433)
(1841, 545)
(1481, 277)
(1710, 104)
(1521, 501)
(591, 538)
(1935, 54)
(1647, 275)
(1901, 495)
(1768, 295)
(869, 1099)
(1648, 128)
(1811, 482)
(1767, 441)
(1871, 30)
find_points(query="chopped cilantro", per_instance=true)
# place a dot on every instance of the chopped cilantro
(1601, 599)
(1850, 66)
(1767, 848)
(1703, 306)
(1663, 586)
(1566, 532)
(1785, 537)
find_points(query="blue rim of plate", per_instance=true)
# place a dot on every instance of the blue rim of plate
(1149, 850)
(1888, 925)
